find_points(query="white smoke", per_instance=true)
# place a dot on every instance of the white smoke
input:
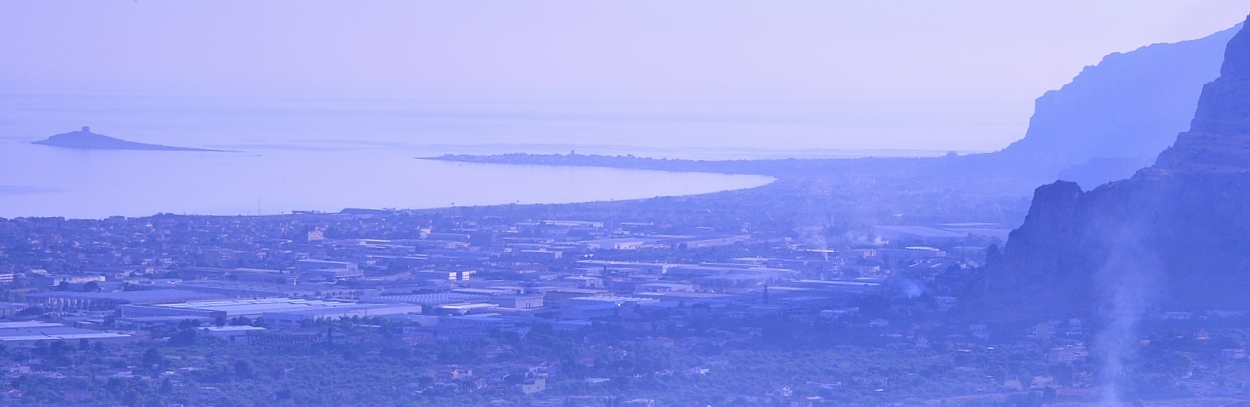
(911, 289)
(1128, 281)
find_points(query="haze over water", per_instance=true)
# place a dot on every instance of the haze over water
(662, 130)
(331, 91)
(311, 154)
(48, 181)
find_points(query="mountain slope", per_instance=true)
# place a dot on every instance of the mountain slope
(1127, 108)
(1176, 235)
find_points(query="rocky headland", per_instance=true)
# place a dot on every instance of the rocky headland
(1175, 236)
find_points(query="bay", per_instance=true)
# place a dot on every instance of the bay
(40, 180)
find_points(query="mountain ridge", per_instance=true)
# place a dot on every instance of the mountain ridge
(1173, 236)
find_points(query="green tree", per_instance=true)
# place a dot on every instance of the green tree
(152, 357)
(351, 355)
(244, 368)
(184, 337)
(1049, 395)
(133, 399)
(1178, 365)
(999, 374)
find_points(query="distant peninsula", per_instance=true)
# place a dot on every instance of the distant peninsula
(85, 139)
(618, 161)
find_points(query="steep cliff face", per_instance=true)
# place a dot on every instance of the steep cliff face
(1178, 230)
(1218, 139)
(1051, 218)
(1127, 108)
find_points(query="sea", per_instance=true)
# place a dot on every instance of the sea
(281, 155)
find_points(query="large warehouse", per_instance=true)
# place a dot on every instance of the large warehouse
(277, 311)
(74, 300)
(29, 332)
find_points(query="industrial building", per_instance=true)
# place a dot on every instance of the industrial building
(276, 311)
(27, 333)
(329, 270)
(463, 296)
(74, 300)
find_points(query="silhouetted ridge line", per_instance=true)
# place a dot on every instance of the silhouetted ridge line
(1175, 233)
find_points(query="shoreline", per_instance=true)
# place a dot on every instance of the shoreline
(92, 188)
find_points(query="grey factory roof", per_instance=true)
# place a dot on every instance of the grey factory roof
(259, 306)
(920, 231)
(132, 297)
(36, 331)
(427, 299)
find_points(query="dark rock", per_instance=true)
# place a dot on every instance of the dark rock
(85, 139)
(1098, 171)
(1177, 233)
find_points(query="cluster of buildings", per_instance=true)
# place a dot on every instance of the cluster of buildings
(452, 278)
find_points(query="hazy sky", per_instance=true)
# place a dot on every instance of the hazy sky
(987, 55)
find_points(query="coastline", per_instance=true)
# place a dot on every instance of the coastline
(96, 184)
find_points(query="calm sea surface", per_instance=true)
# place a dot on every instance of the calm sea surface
(315, 154)
(48, 181)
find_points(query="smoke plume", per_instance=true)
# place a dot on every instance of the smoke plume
(1128, 282)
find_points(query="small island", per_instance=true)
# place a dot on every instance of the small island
(85, 139)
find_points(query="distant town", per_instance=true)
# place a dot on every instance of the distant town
(507, 307)
(973, 280)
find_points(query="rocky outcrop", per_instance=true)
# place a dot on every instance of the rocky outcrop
(1219, 136)
(1051, 218)
(86, 140)
(1178, 231)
